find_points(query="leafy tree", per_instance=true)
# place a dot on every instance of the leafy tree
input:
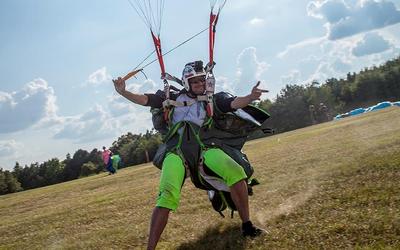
(88, 168)
(290, 110)
(51, 171)
(3, 184)
(73, 166)
(12, 183)
(95, 158)
(8, 182)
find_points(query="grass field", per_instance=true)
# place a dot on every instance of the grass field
(333, 186)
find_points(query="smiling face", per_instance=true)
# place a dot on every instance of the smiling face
(198, 84)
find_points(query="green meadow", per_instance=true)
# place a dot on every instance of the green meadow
(334, 185)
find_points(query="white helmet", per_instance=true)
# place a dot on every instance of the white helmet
(192, 69)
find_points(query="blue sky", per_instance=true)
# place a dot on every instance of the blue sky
(57, 59)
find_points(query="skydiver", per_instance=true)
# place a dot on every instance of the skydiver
(173, 167)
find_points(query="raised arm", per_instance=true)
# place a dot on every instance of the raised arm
(120, 87)
(243, 101)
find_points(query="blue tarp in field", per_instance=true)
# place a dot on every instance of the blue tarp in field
(380, 105)
(359, 111)
(396, 103)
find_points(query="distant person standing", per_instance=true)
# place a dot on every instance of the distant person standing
(106, 155)
(116, 162)
(311, 108)
(323, 113)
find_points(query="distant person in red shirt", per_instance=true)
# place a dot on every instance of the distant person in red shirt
(106, 155)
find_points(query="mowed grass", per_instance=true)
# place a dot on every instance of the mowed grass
(331, 186)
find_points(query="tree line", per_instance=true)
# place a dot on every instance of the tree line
(133, 149)
(296, 106)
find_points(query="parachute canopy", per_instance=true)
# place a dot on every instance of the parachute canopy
(217, 5)
(151, 13)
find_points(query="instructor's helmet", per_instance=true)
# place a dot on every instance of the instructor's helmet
(192, 69)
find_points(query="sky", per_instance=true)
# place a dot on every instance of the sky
(58, 59)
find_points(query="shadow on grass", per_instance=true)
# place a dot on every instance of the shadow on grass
(215, 238)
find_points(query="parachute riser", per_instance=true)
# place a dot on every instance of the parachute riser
(212, 31)
(210, 79)
(157, 45)
(210, 89)
(164, 75)
(166, 103)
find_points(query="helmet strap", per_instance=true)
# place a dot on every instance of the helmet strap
(191, 93)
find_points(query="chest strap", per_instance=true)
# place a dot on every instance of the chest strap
(169, 102)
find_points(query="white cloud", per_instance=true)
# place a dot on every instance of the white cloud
(249, 71)
(98, 77)
(371, 43)
(293, 77)
(340, 66)
(93, 125)
(257, 22)
(148, 86)
(329, 67)
(242, 5)
(332, 64)
(136, 122)
(26, 107)
(332, 10)
(118, 117)
(345, 18)
(119, 106)
(322, 73)
(300, 45)
(9, 148)
(223, 84)
(319, 59)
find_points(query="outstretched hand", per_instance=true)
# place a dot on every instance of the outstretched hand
(256, 92)
(119, 85)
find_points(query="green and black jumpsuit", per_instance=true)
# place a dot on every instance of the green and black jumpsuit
(173, 167)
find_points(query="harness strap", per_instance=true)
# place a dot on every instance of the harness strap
(210, 88)
(168, 102)
(201, 98)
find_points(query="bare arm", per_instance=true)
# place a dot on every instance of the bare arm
(243, 101)
(120, 87)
